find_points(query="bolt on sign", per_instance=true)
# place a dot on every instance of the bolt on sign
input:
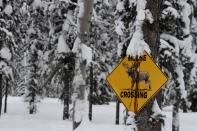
(136, 80)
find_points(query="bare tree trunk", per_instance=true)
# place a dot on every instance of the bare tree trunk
(68, 78)
(66, 95)
(6, 96)
(32, 85)
(1, 92)
(80, 103)
(151, 37)
(32, 105)
(91, 91)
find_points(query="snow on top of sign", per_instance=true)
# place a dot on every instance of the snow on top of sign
(62, 46)
(137, 44)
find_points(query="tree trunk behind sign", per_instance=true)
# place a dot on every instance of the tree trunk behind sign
(151, 37)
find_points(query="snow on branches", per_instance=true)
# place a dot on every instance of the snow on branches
(177, 49)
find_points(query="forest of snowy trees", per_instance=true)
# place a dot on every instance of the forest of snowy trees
(65, 49)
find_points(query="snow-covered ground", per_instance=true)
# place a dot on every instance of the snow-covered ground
(187, 120)
(49, 118)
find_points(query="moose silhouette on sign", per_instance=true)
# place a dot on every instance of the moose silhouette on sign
(136, 75)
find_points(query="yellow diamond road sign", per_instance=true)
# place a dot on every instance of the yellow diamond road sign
(136, 81)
